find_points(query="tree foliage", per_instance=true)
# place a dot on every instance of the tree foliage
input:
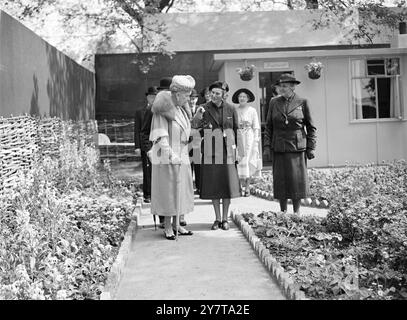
(99, 26)
(96, 26)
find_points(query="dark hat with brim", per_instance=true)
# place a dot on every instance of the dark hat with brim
(287, 78)
(194, 93)
(152, 91)
(250, 95)
(219, 85)
(165, 83)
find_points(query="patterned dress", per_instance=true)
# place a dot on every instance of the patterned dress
(250, 164)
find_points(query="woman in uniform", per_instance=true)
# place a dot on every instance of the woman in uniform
(289, 141)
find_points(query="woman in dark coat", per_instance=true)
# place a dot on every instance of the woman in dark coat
(289, 141)
(218, 122)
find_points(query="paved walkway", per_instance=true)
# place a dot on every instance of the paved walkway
(218, 265)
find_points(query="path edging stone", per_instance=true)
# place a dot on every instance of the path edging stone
(116, 271)
(308, 202)
(277, 272)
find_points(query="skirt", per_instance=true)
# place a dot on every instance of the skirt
(219, 181)
(290, 179)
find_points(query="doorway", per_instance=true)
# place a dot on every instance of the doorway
(267, 89)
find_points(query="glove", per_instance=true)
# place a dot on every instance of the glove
(310, 154)
(267, 154)
(138, 152)
(149, 155)
(199, 113)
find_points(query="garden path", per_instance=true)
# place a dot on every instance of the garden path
(218, 265)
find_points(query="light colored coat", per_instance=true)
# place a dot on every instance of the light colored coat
(171, 184)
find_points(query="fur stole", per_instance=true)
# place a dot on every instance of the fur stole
(164, 106)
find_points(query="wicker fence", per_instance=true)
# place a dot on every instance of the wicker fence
(118, 142)
(24, 139)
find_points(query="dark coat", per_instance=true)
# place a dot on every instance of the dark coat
(219, 179)
(228, 128)
(291, 128)
(138, 121)
(145, 143)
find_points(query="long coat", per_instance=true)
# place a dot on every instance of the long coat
(170, 134)
(141, 141)
(219, 178)
(138, 120)
(145, 143)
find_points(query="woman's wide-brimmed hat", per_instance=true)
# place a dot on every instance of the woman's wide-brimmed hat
(287, 78)
(250, 95)
(152, 91)
(165, 83)
(182, 83)
(219, 85)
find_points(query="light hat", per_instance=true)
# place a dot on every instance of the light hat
(182, 83)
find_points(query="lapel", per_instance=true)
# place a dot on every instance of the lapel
(295, 102)
(211, 112)
(181, 119)
(280, 105)
(225, 113)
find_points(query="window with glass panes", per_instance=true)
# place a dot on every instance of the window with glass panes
(375, 88)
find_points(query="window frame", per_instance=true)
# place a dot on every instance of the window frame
(367, 76)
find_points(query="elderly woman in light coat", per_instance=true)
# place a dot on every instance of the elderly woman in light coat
(171, 184)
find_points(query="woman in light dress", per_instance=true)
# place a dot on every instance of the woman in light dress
(250, 165)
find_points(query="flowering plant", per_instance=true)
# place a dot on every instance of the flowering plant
(315, 66)
(246, 73)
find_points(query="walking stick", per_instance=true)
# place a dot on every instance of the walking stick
(178, 195)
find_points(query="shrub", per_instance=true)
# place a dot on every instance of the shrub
(62, 227)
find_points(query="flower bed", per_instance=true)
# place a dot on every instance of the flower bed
(324, 184)
(359, 251)
(62, 228)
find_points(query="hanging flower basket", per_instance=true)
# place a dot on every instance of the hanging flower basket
(314, 69)
(314, 74)
(246, 73)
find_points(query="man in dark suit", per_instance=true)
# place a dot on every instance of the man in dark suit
(195, 165)
(289, 141)
(142, 143)
(218, 121)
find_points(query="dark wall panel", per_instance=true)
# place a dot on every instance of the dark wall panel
(121, 87)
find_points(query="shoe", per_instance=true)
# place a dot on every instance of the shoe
(196, 192)
(216, 225)
(225, 225)
(147, 200)
(169, 237)
(183, 223)
(247, 193)
(185, 233)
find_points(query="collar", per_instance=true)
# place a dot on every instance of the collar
(289, 98)
(216, 106)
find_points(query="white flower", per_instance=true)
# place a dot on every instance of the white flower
(61, 295)
(314, 66)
